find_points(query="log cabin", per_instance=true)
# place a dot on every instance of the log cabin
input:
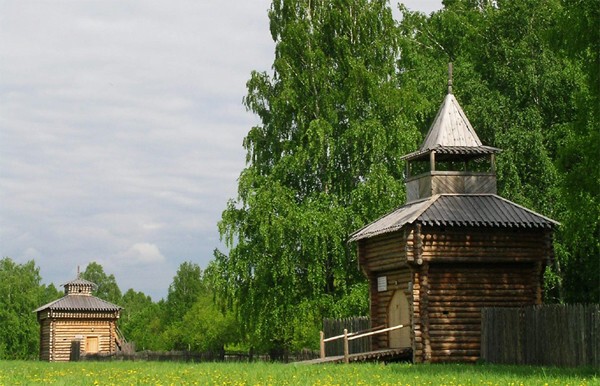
(78, 321)
(452, 249)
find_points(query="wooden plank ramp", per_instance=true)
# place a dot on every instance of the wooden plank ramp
(387, 355)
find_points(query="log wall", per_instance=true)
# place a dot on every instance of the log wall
(471, 244)
(56, 335)
(457, 294)
(45, 340)
(472, 268)
(448, 275)
(385, 255)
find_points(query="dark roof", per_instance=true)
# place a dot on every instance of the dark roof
(480, 210)
(79, 303)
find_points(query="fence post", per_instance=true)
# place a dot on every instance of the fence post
(322, 345)
(346, 355)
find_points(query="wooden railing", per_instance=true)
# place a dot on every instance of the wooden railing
(351, 336)
(332, 327)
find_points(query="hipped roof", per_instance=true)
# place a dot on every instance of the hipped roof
(451, 133)
(481, 210)
(80, 282)
(79, 303)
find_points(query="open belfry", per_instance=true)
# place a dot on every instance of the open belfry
(452, 249)
(78, 323)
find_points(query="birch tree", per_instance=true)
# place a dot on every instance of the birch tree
(323, 161)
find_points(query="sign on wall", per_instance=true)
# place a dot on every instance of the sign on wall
(381, 283)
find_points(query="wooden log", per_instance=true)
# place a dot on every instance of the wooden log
(442, 327)
(434, 322)
(442, 347)
(449, 339)
(484, 285)
(424, 305)
(483, 297)
(456, 352)
(455, 359)
(453, 315)
(456, 333)
(482, 301)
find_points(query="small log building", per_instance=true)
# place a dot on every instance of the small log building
(78, 321)
(453, 248)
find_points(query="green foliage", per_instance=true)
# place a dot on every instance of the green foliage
(21, 292)
(323, 162)
(50, 293)
(188, 319)
(526, 73)
(578, 156)
(351, 92)
(348, 94)
(203, 328)
(140, 320)
(107, 284)
(185, 289)
(192, 320)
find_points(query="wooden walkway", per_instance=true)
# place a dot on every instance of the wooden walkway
(388, 355)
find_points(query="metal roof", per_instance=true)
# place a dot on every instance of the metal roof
(480, 210)
(79, 303)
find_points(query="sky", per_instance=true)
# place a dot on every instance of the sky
(121, 129)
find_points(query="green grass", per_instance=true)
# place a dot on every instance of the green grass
(161, 373)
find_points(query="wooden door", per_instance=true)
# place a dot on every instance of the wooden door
(91, 344)
(398, 313)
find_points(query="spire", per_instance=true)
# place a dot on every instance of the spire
(452, 159)
(450, 78)
(451, 127)
(451, 130)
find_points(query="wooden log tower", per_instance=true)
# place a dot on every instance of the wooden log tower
(452, 249)
(78, 324)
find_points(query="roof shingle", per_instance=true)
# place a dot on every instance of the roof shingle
(483, 210)
(79, 303)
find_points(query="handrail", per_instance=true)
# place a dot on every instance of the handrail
(332, 338)
(375, 332)
(351, 336)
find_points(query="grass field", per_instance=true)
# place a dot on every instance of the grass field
(161, 373)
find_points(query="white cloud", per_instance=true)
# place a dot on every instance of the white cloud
(122, 121)
(142, 253)
(31, 253)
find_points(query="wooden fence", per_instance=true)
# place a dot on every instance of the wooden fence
(193, 356)
(335, 327)
(549, 335)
